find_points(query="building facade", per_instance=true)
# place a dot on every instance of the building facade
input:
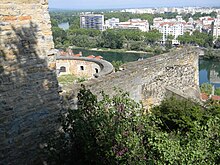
(111, 23)
(92, 21)
(216, 27)
(169, 27)
(139, 24)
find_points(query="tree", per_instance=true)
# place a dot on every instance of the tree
(117, 130)
(59, 36)
(217, 43)
(116, 65)
(100, 132)
(206, 88)
(217, 91)
(152, 36)
(112, 39)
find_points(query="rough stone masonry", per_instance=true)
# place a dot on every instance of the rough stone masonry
(28, 86)
(153, 79)
(29, 102)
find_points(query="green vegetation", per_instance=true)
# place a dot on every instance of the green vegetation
(197, 38)
(118, 130)
(217, 43)
(111, 38)
(217, 91)
(70, 79)
(122, 39)
(198, 15)
(117, 65)
(206, 88)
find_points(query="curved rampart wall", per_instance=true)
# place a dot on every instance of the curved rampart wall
(82, 66)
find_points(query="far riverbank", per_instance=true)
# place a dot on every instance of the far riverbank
(114, 54)
(110, 50)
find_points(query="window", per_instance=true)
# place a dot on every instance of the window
(96, 70)
(62, 69)
(81, 67)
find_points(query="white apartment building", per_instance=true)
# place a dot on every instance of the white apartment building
(92, 21)
(111, 23)
(216, 27)
(142, 25)
(174, 27)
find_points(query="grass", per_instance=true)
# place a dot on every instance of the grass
(70, 79)
(217, 91)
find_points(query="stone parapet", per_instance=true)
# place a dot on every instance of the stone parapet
(147, 80)
(105, 66)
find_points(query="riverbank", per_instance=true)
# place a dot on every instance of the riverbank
(154, 52)
(212, 54)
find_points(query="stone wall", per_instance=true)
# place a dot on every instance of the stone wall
(28, 86)
(83, 66)
(79, 68)
(147, 80)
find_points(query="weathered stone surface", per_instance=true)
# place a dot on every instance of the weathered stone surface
(28, 87)
(147, 80)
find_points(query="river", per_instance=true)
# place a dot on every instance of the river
(209, 69)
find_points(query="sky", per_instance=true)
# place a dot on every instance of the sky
(109, 4)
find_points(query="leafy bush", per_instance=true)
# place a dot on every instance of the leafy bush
(117, 130)
(217, 91)
(206, 88)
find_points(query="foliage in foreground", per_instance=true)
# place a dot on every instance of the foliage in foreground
(70, 79)
(206, 88)
(117, 130)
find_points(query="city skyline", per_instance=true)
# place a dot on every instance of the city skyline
(102, 4)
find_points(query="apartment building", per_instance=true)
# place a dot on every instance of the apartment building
(92, 21)
(169, 27)
(216, 27)
(142, 25)
(111, 23)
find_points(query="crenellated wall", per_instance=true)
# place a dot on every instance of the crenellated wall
(29, 101)
(148, 80)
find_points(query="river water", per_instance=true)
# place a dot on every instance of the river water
(209, 69)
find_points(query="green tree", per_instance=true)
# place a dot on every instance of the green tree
(217, 43)
(112, 39)
(117, 130)
(217, 91)
(59, 36)
(100, 132)
(206, 88)
(117, 65)
(152, 37)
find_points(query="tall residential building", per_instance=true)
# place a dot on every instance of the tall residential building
(169, 27)
(216, 27)
(173, 29)
(92, 21)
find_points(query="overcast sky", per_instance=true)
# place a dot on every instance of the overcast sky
(101, 4)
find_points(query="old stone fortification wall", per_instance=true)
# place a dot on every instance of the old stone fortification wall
(28, 87)
(147, 80)
(83, 66)
(78, 68)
